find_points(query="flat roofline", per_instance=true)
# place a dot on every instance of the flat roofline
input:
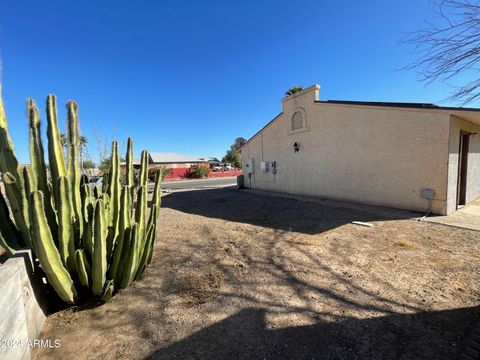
(424, 106)
(428, 106)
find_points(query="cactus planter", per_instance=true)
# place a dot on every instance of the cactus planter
(89, 243)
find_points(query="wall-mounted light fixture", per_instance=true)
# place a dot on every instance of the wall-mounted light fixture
(296, 147)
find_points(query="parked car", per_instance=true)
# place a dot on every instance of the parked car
(227, 167)
(96, 182)
(218, 167)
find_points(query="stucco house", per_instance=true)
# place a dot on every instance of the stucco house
(412, 156)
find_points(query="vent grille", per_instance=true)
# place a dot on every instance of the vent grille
(297, 120)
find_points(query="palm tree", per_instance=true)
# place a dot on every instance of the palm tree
(294, 89)
(83, 141)
(64, 140)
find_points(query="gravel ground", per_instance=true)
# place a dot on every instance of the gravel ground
(238, 275)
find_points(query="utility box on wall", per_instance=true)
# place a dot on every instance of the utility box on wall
(249, 166)
(264, 166)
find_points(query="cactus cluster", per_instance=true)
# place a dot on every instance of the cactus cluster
(89, 242)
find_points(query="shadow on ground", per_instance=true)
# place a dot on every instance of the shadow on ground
(309, 218)
(246, 336)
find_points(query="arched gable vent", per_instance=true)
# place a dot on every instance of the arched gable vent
(298, 120)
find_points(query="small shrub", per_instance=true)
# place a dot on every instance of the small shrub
(199, 171)
(163, 172)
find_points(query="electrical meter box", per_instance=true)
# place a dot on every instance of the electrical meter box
(264, 166)
(249, 166)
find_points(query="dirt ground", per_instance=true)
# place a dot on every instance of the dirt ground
(239, 275)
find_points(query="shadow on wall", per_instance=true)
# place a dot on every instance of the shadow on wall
(273, 212)
(245, 336)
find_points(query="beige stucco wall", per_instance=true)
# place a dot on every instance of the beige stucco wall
(473, 169)
(374, 155)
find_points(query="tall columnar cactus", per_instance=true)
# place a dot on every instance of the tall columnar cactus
(129, 171)
(37, 162)
(73, 169)
(48, 253)
(88, 242)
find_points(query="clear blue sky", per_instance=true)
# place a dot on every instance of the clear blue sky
(191, 76)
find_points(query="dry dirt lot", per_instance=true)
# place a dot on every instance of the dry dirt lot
(240, 276)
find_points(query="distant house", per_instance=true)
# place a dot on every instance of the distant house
(406, 155)
(179, 165)
(180, 161)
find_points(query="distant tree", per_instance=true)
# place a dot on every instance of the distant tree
(64, 140)
(233, 155)
(89, 164)
(294, 89)
(104, 165)
(449, 46)
(83, 142)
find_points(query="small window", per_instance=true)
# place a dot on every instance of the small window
(298, 121)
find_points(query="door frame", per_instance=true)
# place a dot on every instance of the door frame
(463, 148)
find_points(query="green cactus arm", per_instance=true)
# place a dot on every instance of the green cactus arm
(114, 190)
(106, 180)
(29, 180)
(8, 160)
(156, 198)
(37, 162)
(99, 262)
(23, 195)
(83, 267)
(123, 225)
(150, 248)
(6, 246)
(56, 158)
(88, 230)
(7, 228)
(86, 195)
(3, 123)
(47, 253)
(83, 180)
(124, 257)
(140, 214)
(73, 169)
(132, 261)
(108, 292)
(157, 190)
(143, 177)
(144, 251)
(66, 243)
(17, 205)
(152, 223)
(129, 163)
(96, 193)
